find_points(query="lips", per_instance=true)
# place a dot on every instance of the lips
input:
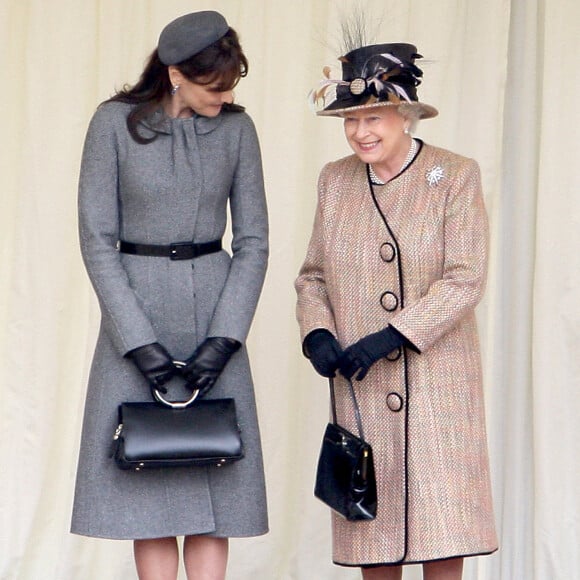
(366, 147)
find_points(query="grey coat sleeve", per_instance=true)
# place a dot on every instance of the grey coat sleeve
(98, 207)
(238, 300)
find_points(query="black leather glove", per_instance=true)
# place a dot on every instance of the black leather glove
(362, 355)
(323, 350)
(205, 365)
(155, 363)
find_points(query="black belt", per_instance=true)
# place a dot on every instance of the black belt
(177, 251)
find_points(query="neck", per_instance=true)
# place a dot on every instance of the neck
(387, 169)
(175, 109)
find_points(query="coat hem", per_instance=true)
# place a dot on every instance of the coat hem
(409, 562)
(211, 533)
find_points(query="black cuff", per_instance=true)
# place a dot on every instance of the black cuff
(310, 335)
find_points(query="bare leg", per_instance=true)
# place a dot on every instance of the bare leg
(205, 557)
(156, 559)
(383, 573)
(451, 569)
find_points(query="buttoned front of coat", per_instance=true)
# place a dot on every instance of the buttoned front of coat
(412, 255)
(175, 189)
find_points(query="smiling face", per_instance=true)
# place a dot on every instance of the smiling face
(377, 136)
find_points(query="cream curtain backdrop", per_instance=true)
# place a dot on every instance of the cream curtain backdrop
(503, 74)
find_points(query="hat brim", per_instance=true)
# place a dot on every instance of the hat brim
(424, 111)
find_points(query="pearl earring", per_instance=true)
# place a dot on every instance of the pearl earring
(406, 131)
(174, 89)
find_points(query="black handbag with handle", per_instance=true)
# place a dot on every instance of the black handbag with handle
(345, 476)
(175, 434)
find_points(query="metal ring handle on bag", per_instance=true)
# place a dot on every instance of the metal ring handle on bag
(176, 404)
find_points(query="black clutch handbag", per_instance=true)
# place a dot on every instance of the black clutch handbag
(345, 476)
(174, 434)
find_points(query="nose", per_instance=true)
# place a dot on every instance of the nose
(227, 97)
(361, 129)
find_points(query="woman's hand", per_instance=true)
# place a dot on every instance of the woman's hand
(323, 350)
(205, 365)
(155, 364)
(362, 355)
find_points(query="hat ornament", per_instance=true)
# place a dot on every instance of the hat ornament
(376, 79)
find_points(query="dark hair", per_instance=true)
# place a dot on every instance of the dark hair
(223, 60)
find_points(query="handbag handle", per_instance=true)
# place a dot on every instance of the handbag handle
(354, 402)
(175, 404)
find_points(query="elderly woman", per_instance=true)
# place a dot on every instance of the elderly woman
(162, 161)
(386, 296)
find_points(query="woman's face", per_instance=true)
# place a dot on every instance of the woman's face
(377, 135)
(205, 100)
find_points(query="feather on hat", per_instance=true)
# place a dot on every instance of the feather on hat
(374, 76)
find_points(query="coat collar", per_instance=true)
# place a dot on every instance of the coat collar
(159, 122)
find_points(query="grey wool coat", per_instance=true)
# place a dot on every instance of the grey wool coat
(175, 189)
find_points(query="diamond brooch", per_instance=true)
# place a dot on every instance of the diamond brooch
(435, 175)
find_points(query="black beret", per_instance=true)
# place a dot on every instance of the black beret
(190, 34)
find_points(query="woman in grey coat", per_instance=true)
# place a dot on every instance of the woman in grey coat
(161, 162)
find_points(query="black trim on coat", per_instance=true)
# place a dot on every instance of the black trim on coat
(410, 562)
(405, 359)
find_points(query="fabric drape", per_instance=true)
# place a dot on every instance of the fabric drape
(502, 74)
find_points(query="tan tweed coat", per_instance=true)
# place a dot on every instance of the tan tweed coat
(422, 269)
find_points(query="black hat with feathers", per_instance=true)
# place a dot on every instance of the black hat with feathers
(374, 76)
